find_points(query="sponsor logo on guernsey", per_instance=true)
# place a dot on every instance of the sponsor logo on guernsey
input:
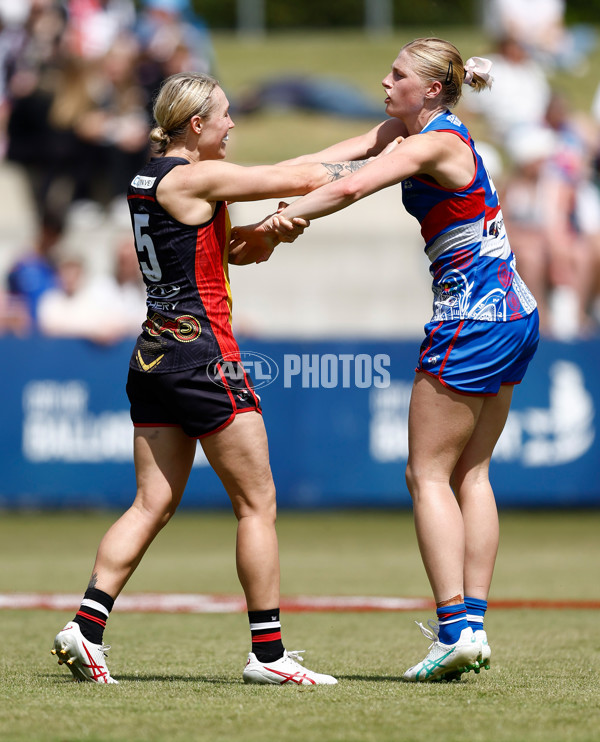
(148, 366)
(142, 181)
(495, 227)
(163, 306)
(164, 291)
(158, 296)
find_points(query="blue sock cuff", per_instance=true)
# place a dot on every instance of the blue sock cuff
(451, 609)
(476, 604)
(452, 619)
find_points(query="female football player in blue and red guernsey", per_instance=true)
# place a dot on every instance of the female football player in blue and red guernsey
(186, 381)
(478, 344)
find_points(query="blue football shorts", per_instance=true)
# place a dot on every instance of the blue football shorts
(475, 357)
(201, 401)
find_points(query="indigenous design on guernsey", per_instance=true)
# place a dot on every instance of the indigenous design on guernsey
(472, 264)
(185, 269)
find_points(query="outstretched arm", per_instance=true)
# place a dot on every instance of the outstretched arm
(435, 154)
(254, 243)
(361, 147)
(217, 180)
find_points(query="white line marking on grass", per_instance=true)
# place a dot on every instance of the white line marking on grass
(197, 603)
(201, 603)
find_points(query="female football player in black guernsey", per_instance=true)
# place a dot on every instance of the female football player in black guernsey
(186, 381)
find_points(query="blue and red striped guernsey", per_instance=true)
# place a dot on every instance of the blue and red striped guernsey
(185, 269)
(472, 264)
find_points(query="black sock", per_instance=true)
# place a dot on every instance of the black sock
(93, 614)
(266, 635)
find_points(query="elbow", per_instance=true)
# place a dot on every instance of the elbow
(340, 194)
(349, 191)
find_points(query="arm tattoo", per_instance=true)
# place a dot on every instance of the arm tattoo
(338, 170)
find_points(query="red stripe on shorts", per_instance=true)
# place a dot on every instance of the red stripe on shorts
(428, 348)
(452, 342)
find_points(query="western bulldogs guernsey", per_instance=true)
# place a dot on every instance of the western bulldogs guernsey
(185, 269)
(472, 264)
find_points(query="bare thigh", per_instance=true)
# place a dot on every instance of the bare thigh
(475, 458)
(440, 424)
(163, 460)
(239, 454)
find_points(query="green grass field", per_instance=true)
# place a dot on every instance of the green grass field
(181, 674)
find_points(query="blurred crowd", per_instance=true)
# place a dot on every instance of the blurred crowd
(76, 86)
(547, 157)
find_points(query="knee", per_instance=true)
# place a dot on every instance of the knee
(156, 515)
(470, 483)
(425, 481)
(164, 517)
(411, 480)
(261, 505)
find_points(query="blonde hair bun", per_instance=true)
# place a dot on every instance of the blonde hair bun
(180, 97)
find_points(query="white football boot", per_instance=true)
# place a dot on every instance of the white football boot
(85, 660)
(283, 671)
(485, 654)
(483, 658)
(445, 661)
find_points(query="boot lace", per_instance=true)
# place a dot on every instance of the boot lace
(431, 633)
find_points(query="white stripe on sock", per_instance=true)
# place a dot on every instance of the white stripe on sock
(95, 605)
(474, 619)
(266, 625)
(447, 621)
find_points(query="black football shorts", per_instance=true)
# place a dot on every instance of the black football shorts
(201, 400)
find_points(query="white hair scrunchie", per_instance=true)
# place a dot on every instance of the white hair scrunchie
(480, 66)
